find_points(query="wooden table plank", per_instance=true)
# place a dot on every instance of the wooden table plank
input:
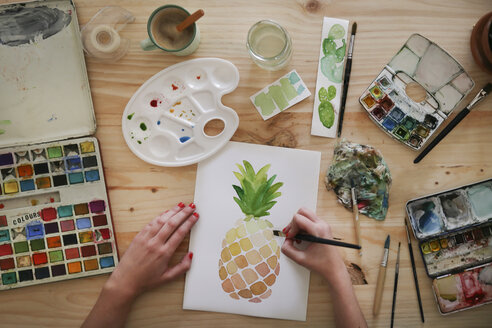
(139, 191)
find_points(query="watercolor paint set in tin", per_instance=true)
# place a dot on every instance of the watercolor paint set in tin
(424, 63)
(55, 221)
(454, 230)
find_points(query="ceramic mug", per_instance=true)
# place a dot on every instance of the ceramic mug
(163, 35)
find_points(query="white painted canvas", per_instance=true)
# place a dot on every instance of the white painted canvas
(329, 83)
(280, 95)
(298, 170)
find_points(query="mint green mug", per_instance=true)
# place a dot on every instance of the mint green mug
(163, 34)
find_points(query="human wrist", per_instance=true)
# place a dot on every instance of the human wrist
(336, 274)
(124, 293)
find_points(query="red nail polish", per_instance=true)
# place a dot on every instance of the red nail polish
(192, 205)
(190, 255)
(196, 215)
(181, 205)
(286, 235)
(283, 230)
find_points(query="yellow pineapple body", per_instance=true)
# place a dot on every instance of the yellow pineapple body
(249, 260)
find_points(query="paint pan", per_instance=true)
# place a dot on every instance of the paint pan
(464, 290)
(165, 121)
(459, 244)
(424, 63)
(52, 194)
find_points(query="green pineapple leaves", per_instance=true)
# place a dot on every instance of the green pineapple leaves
(257, 192)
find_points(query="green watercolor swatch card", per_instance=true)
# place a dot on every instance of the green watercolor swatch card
(280, 95)
(329, 83)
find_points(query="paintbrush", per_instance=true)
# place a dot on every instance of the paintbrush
(461, 115)
(319, 240)
(381, 277)
(355, 211)
(414, 272)
(397, 269)
(346, 77)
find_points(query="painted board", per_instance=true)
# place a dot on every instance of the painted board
(280, 95)
(43, 74)
(238, 266)
(164, 121)
(329, 83)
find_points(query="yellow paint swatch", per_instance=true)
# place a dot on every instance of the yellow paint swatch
(87, 147)
(11, 187)
(235, 249)
(246, 244)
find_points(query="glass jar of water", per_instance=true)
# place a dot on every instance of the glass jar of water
(269, 45)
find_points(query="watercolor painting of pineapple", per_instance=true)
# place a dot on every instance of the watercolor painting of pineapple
(249, 260)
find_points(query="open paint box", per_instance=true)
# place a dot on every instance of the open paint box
(420, 62)
(55, 222)
(454, 231)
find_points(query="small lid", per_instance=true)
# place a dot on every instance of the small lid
(43, 82)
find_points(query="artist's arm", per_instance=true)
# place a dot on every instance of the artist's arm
(325, 260)
(145, 265)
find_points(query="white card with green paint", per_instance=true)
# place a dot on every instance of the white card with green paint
(329, 83)
(280, 95)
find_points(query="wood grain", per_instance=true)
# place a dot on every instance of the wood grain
(139, 191)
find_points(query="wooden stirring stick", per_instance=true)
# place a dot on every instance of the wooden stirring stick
(190, 20)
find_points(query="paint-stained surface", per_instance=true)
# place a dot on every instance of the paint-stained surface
(23, 25)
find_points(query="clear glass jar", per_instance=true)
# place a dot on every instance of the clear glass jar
(269, 45)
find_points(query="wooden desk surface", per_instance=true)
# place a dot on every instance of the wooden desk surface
(139, 191)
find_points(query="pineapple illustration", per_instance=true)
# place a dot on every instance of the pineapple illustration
(249, 260)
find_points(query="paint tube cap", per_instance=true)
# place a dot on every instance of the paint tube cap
(100, 37)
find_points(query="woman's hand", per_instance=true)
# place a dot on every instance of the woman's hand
(146, 262)
(320, 258)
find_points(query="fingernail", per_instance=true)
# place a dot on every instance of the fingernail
(283, 230)
(181, 205)
(196, 215)
(286, 235)
(190, 255)
(287, 229)
(192, 205)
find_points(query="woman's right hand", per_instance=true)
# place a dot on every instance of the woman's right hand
(321, 258)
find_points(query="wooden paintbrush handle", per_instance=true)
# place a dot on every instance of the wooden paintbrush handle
(379, 290)
(355, 211)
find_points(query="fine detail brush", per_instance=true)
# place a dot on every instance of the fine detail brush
(319, 240)
(355, 212)
(461, 115)
(381, 277)
(414, 272)
(346, 77)
(397, 269)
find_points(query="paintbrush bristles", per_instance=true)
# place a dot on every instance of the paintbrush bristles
(354, 28)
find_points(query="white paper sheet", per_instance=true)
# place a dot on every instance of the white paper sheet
(299, 171)
(330, 74)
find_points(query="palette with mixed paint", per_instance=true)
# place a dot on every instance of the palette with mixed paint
(454, 230)
(164, 122)
(54, 220)
(421, 62)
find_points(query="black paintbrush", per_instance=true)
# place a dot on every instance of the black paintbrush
(461, 115)
(397, 270)
(414, 272)
(319, 240)
(346, 77)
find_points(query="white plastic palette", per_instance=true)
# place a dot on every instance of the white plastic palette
(164, 121)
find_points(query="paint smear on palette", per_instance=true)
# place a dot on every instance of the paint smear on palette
(3, 123)
(22, 25)
(184, 110)
(174, 89)
(464, 290)
(280, 95)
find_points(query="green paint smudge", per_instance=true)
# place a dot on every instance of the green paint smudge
(143, 126)
(333, 55)
(2, 131)
(265, 103)
(5, 122)
(139, 142)
(130, 116)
